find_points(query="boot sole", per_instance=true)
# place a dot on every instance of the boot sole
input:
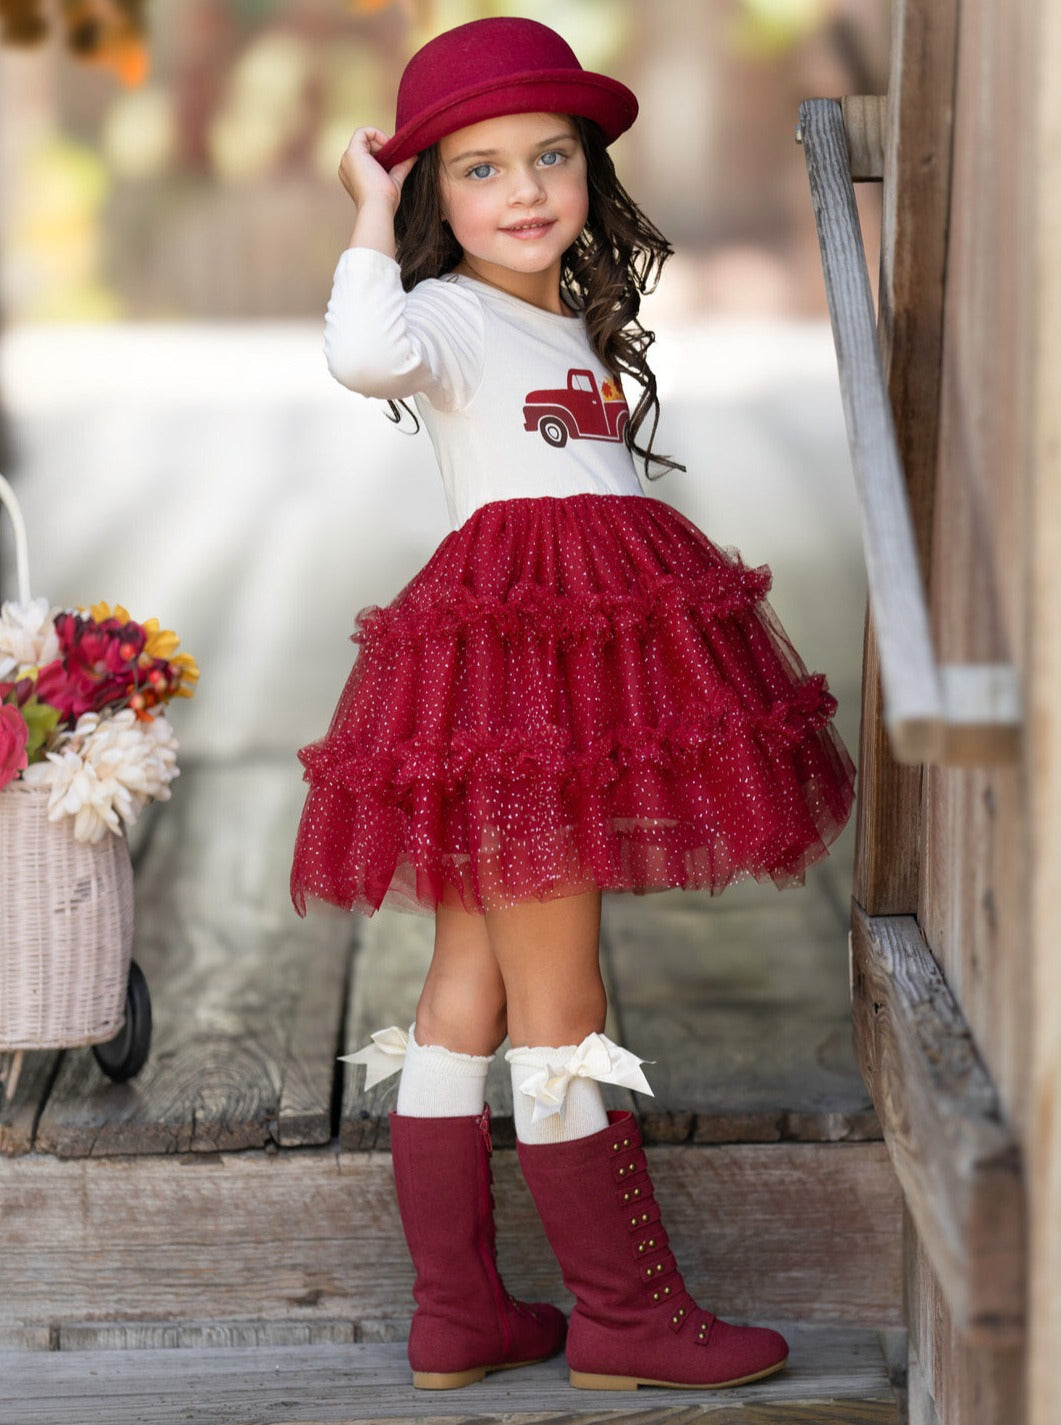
(585, 1380)
(454, 1380)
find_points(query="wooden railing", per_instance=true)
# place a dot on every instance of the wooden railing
(959, 714)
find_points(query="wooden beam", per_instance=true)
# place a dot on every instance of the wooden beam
(957, 1161)
(915, 704)
(865, 126)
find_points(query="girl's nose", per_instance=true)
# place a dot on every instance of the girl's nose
(526, 187)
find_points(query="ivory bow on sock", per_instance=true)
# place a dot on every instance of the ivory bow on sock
(383, 1057)
(595, 1058)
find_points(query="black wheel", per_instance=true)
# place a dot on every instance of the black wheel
(126, 1054)
(554, 432)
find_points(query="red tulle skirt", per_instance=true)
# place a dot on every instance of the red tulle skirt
(571, 693)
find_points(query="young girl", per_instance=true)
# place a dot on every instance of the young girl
(579, 692)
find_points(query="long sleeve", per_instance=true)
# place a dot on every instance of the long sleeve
(383, 342)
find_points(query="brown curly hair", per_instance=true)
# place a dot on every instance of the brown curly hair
(615, 260)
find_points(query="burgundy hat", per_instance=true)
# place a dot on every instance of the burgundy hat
(493, 67)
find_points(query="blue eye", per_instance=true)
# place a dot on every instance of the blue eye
(481, 170)
(551, 158)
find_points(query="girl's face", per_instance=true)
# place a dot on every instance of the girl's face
(514, 194)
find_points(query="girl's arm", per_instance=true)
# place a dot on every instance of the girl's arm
(379, 340)
(375, 191)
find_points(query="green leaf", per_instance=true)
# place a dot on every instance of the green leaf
(41, 719)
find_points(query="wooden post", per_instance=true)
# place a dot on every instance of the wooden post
(913, 254)
(1044, 753)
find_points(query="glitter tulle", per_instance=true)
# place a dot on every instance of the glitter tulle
(571, 692)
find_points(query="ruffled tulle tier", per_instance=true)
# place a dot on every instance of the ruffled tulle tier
(571, 692)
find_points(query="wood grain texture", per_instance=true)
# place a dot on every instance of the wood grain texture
(797, 1231)
(247, 1000)
(913, 699)
(865, 124)
(957, 1161)
(741, 1005)
(1043, 1108)
(833, 1378)
(953, 1378)
(915, 217)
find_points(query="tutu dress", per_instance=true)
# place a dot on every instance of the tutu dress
(578, 689)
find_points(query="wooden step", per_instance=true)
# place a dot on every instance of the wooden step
(792, 1230)
(833, 1376)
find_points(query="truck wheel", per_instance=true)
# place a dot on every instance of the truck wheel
(554, 432)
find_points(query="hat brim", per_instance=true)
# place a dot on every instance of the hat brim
(590, 96)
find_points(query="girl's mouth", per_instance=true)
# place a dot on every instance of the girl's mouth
(532, 228)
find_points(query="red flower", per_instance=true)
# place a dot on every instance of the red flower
(14, 734)
(97, 665)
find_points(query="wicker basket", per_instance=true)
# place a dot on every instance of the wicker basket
(66, 911)
(66, 928)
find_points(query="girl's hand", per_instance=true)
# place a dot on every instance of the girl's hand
(364, 179)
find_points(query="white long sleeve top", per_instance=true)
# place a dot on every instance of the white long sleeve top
(515, 401)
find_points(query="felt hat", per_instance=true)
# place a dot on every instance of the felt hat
(493, 67)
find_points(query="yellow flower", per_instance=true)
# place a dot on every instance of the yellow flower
(100, 612)
(160, 642)
(189, 675)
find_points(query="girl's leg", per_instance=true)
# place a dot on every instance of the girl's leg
(634, 1322)
(548, 953)
(462, 1004)
(460, 1021)
(466, 1323)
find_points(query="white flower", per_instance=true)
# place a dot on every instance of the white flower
(106, 772)
(27, 636)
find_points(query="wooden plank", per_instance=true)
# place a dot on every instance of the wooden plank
(915, 220)
(742, 1005)
(865, 125)
(229, 1237)
(957, 1161)
(832, 1376)
(247, 1000)
(1044, 904)
(953, 1378)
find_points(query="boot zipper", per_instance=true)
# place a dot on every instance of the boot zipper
(489, 1258)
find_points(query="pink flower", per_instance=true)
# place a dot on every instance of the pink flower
(14, 734)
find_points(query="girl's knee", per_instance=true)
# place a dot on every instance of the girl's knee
(473, 1021)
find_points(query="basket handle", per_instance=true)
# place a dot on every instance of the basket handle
(10, 503)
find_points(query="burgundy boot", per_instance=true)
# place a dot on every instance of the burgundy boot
(466, 1323)
(634, 1323)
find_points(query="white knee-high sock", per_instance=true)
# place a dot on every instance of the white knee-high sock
(582, 1114)
(438, 1083)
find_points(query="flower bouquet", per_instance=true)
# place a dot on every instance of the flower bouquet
(85, 745)
(81, 711)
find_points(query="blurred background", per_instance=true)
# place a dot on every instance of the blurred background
(170, 218)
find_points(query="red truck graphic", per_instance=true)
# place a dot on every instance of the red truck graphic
(580, 411)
